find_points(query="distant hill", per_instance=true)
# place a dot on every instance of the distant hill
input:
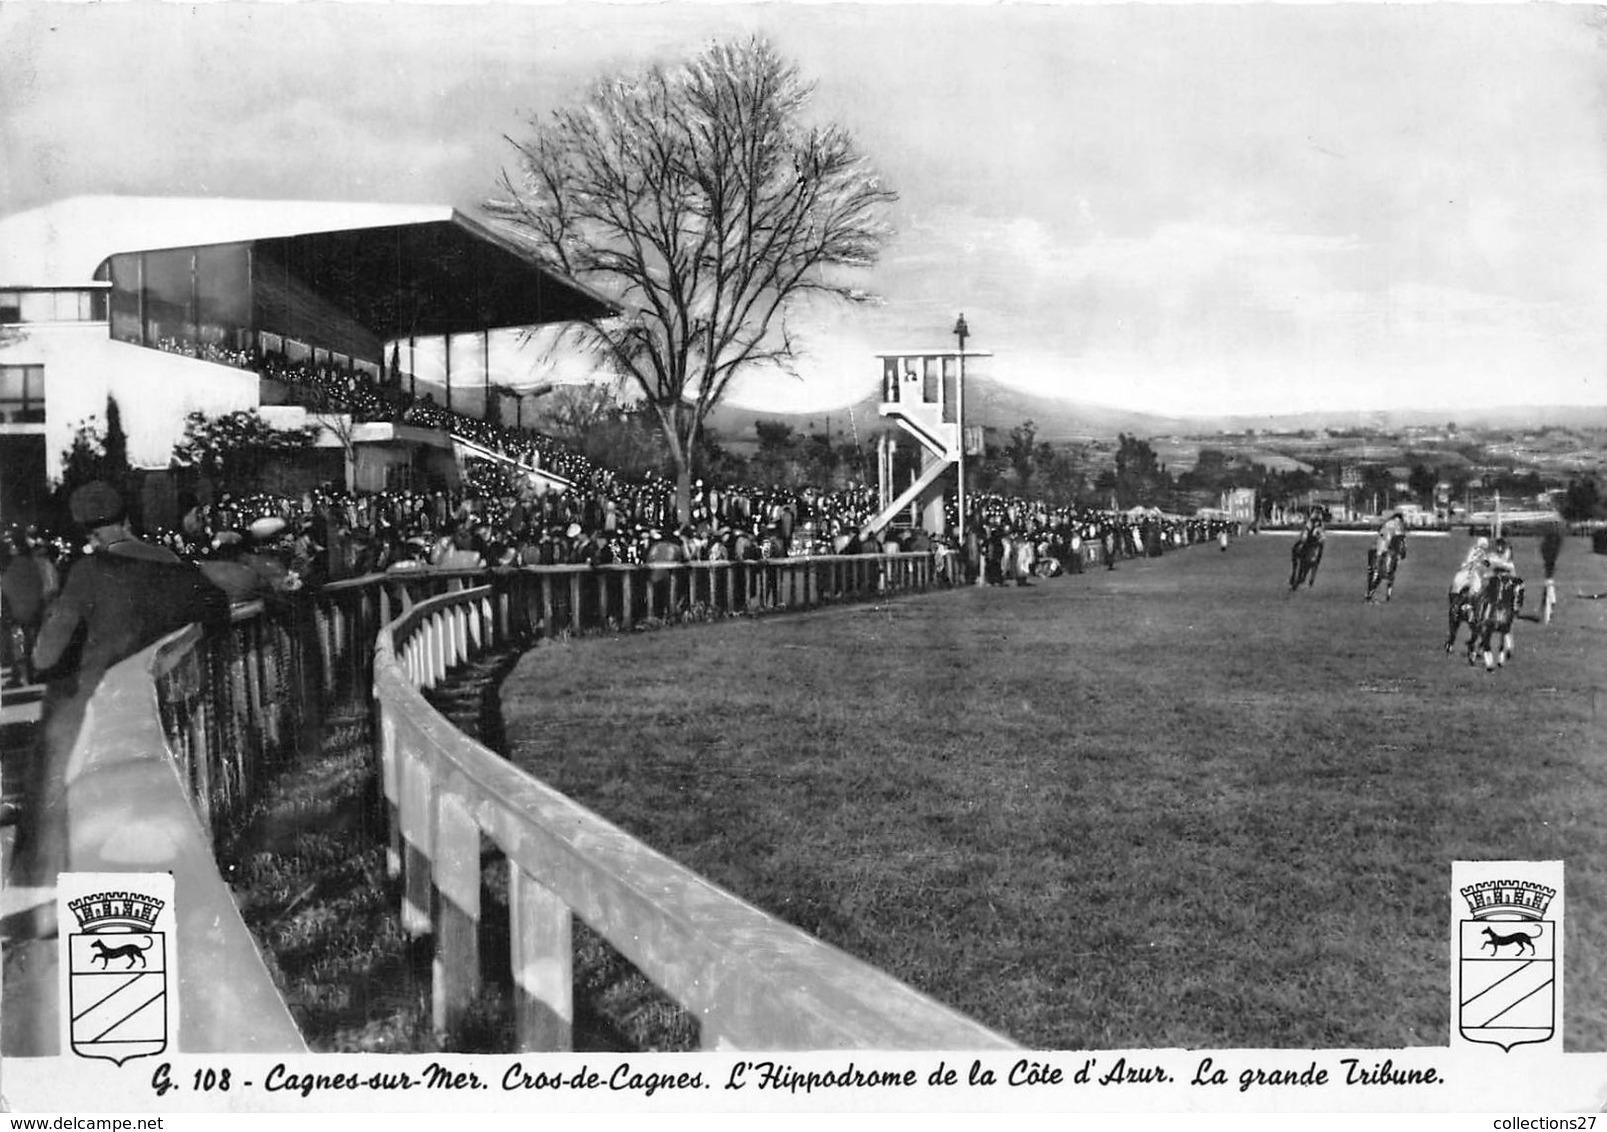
(1516, 417)
(995, 405)
(987, 403)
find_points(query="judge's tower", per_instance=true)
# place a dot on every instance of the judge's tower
(923, 392)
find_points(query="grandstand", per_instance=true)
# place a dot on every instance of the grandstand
(296, 308)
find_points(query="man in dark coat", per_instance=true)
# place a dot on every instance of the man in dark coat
(125, 595)
(28, 583)
(122, 597)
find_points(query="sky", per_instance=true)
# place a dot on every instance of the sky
(1189, 209)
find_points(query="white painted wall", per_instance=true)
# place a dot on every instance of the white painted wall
(154, 390)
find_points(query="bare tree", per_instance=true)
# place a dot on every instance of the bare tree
(700, 200)
(594, 421)
(576, 410)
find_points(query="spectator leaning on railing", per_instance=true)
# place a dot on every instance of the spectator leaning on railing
(122, 596)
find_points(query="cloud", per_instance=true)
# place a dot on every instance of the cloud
(1179, 204)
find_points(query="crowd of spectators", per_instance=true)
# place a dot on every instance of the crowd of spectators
(261, 543)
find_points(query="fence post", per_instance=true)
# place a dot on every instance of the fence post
(455, 978)
(440, 624)
(627, 597)
(542, 955)
(205, 752)
(417, 840)
(389, 786)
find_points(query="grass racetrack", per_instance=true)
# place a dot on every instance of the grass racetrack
(1169, 805)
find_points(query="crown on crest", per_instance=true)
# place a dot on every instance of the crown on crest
(1506, 899)
(117, 911)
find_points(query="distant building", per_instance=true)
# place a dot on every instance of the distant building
(1239, 503)
(1417, 516)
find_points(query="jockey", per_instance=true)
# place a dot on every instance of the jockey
(1391, 529)
(1470, 576)
(1313, 530)
(1500, 559)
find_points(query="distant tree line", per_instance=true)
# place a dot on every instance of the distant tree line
(238, 451)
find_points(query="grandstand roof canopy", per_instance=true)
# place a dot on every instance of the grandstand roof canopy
(422, 270)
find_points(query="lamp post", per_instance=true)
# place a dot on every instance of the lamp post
(961, 331)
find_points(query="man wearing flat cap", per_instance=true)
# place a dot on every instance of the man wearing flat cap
(120, 598)
(123, 596)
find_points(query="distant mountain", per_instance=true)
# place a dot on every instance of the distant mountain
(995, 405)
(987, 403)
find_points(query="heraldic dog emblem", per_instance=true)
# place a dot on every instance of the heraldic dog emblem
(117, 977)
(1507, 994)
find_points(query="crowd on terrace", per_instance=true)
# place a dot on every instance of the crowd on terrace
(287, 543)
(258, 544)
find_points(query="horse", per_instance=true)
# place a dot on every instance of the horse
(1304, 557)
(1381, 567)
(1492, 610)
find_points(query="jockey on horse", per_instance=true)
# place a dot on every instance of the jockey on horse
(1392, 535)
(1476, 587)
(1306, 554)
(1471, 575)
(1387, 551)
(1499, 564)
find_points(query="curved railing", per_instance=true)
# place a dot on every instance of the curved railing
(180, 739)
(750, 980)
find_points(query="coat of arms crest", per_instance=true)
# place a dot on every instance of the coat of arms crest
(1507, 959)
(117, 984)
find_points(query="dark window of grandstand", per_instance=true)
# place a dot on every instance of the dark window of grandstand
(223, 284)
(22, 394)
(126, 325)
(10, 307)
(299, 295)
(170, 300)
